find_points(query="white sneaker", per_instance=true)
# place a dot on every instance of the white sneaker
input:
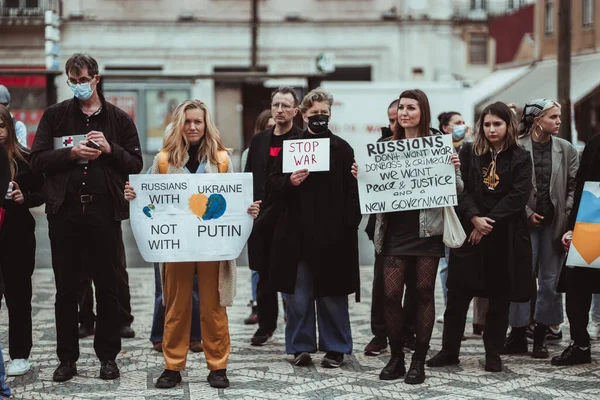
(440, 319)
(18, 367)
(593, 329)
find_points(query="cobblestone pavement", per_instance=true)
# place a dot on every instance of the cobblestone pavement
(266, 372)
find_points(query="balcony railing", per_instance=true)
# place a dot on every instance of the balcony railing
(27, 8)
(487, 9)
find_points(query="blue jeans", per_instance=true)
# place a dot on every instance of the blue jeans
(596, 308)
(4, 389)
(158, 322)
(331, 313)
(549, 305)
(444, 274)
(254, 282)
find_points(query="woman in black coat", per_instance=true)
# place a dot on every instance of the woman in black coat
(17, 246)
(495, 261)
(580, 282)
(314, 252)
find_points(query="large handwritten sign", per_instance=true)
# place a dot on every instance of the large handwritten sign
(191, 217)
(310, 154)
(406, 174)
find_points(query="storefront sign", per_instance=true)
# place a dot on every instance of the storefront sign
(191, 217)
(310, 154)
(406, 174)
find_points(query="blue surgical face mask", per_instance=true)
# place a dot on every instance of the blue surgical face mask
(82, 91)
(459, 132)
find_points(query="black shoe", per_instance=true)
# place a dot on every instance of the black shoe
(394, 369)
(416, 371)
(253, 317)
(540, 350)
(554, 336)
(332, 359)
(168, 379)
(302, 359)
(261, 337)
(516, 342)
(493, 363)
(86, 330)
(65, 371)
(573, 355)
(218, 379)
(442, 359)
(109, 370)
(377, 345)
(127, 332)
(478, 329)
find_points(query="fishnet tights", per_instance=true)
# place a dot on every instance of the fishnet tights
(394, 273)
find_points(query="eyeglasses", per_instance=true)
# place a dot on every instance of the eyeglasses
(81, 81)
(284, 106)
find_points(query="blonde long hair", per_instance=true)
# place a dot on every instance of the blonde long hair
(13, 148)
(176, 143)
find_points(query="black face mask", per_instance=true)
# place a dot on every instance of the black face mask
(318, 123)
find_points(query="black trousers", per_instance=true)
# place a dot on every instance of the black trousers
(496, 322)
(378, 298)
(267, 306)
(578, 311)
(85, 295)
(85, 232)
(17, 261)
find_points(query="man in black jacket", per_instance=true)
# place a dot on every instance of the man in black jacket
(264, 149)
(86, 147)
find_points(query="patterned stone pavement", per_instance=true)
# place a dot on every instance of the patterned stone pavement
(266, 372)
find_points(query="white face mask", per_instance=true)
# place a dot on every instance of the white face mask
(82, 91)
(458, 132)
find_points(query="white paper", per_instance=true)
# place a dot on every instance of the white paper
(191, 217)
(408, 174)
(310, 154)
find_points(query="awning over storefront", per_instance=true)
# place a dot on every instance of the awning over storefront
(540, 81)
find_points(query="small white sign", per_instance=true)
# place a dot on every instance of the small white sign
(310, 154)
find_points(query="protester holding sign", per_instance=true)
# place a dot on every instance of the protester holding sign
(495, 262)
(555, 163)
(581, 282)
(18, 232)
(411, 239)
(314, 250)
(194, 146)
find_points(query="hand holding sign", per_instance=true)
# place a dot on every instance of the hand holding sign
(298, 177)
(306, 154)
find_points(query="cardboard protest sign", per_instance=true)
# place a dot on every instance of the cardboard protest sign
(191, 217)
(585, 248)
(310, 154)
(408, 174)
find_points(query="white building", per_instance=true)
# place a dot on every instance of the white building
(153, 52)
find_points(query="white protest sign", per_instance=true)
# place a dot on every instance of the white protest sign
(310, 154)
(408, 174)
(191, 217)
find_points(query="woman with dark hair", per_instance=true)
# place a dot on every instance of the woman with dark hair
(5, 391)
(452, 123)
(410, 240)
(495, 262)
(18, 232)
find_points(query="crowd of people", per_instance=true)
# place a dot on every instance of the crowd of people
(519, 187)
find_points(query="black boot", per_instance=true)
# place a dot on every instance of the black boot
(442, 359)
(395, 367)
(516, 342)
(573, 355)
(493, 362)
(416, 372)
(540, 350)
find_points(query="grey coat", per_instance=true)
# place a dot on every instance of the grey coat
(431, 221)
(565, 163)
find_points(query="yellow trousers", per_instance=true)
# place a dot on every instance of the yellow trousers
(177, 294)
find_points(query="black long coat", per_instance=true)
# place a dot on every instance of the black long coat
(581, 278)
(257, 163)
(466, 269)
(317, 222)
